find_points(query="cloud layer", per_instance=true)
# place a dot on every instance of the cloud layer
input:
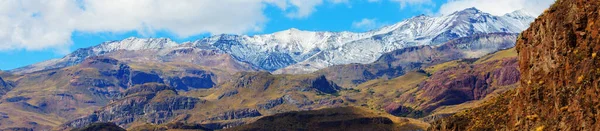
(404, 3)
(40, 24)
(43, 24)
(366, 24)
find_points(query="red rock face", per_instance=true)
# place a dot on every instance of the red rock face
(560, 80)
(560, 69)
(455, 85)
(468, 82)
(507, 75)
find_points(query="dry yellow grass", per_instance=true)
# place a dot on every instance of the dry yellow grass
(322, 119)
(512, 52)
(471, 104)
(442, 66)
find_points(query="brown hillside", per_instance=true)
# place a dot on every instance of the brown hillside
(333, 119)
(560, 76)
(48, 98)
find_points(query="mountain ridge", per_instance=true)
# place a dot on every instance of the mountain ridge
(294, 47)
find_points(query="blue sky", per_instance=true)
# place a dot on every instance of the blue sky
(35, 32)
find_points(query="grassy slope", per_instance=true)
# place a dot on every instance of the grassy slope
(512, 52)
(333, 119)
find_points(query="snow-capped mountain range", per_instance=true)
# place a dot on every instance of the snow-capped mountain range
(297, 51)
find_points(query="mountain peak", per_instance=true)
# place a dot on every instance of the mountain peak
(291, 31)
(421, 16)
(131, 38)
(471, 10)
(519, 14)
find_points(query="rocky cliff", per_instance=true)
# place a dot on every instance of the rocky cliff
(151, 102)
(4, 86)
(560, 76)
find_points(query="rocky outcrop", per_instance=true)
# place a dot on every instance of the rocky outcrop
(265, 80)
(237, 114)
(152, 102)
(145, 89)
(323, 85)
(17, 99)
(297, 100)
(187, 83)
(139, 77)
(254, 80)
(228, 94)
(560, 76)
(4, 87)
(162, 110)
(334, 102)
(271, 103)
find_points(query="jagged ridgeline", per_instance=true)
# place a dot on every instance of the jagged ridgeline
(295, 51)
(560, 80)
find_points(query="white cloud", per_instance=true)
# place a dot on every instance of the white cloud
(48, 24)
(36, 24)
(183, 18)
(404, 3)
(303, 8)
(298, 9)
(339, 1)
(366, 24)
(497, 7)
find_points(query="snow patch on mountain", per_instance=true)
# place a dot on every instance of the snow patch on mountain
(310, 51)
(129, 44)
(307, 51)
(133, 43)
